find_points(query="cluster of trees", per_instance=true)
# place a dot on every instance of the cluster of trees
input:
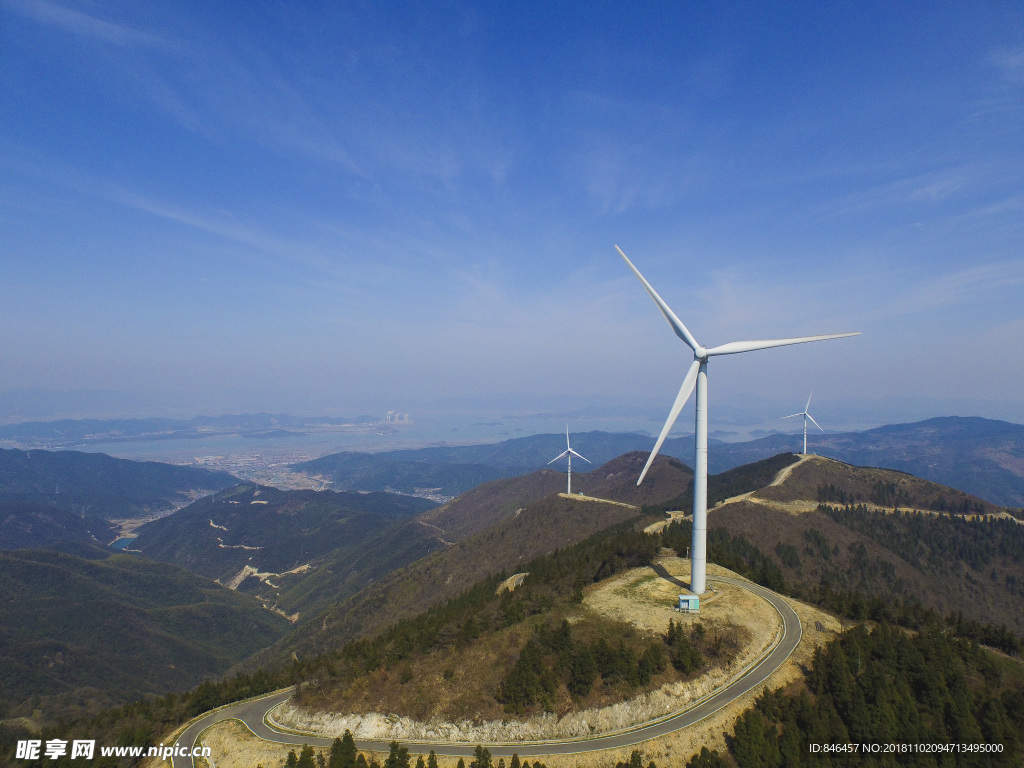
(930, 541)
(345, 755)
(818, 544)
(736, 553)
(956, 535)
(886, 493)
(965, 507)
(557, 577)
(553, 656)
(789, 555)
(886, 686)
(987, 634)
(682, 650)
(832, 492)
(147, 720)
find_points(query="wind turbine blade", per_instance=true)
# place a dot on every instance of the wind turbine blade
(563, 453)
(675, 322)
(567, 436)
(677, 406)
(583, 457)
(814, 422)
(791, 415)
(808, 406)
(735, 347)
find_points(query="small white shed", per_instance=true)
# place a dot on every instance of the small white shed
(689, 603)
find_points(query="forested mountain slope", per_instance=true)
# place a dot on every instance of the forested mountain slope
(32, 525)
(831, 528)
(87, 630)
(100, 486)
(270, 542)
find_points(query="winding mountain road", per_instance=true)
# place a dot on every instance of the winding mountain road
(254, 713)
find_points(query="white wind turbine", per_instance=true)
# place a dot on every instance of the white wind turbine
(697, 376)
(570, 453)
(806, 416)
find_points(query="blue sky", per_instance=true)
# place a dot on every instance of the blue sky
(341, 207)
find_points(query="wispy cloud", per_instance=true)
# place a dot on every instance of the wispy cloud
(964, 286)
(930, 187)
(1011, 62)
(79, 23)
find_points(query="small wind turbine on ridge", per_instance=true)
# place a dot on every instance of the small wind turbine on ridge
(697, 376)
(570, 453)
(806, 416)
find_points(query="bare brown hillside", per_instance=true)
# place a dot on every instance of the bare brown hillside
(515, 535)
(615, 480)
(490, 502)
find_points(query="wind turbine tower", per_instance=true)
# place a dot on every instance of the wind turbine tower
(697, 376)
(806, 416)
(570, 453)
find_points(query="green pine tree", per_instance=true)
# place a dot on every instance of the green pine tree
(306, 759)
(707, 759)
(481, 757)
(343, 752)
(398, 757)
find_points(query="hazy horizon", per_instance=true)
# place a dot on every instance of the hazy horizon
(479, 420)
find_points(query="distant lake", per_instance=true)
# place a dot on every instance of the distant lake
(432, 429)
(121, 543)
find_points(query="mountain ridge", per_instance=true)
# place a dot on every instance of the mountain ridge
(983, 457)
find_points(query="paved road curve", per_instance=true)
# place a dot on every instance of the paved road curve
(253, 713)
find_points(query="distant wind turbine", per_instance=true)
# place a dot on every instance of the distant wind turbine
(806, 416)
(570, 453)
(697, 376)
